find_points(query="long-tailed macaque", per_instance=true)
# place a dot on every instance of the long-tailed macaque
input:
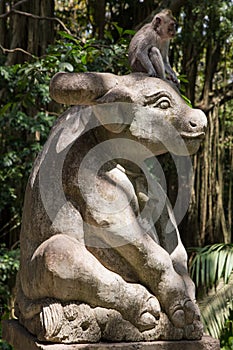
(148, 49)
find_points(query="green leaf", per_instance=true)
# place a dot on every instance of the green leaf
(221, 263)
(119, 29)
(4, 109)
(203, 269)
(229, 266)
(69, 36)
(129, 32)
(84, 59)
(66, 66)
(186, 100)
(213, 262)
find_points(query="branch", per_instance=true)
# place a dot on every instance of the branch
(33, 16)
(14, 50)
(223, 95)
(219, 98)
(13, 8)
(42, 18)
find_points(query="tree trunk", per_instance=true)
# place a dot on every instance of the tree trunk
(229, 206)
(31, 34)
(96, 9)
(3, 28)
(191, 53)
(17, 36)
(212, 60)
(220, 199)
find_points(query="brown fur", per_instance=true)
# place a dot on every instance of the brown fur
(148, 49)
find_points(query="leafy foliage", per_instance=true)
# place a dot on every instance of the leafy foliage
(210, 263)
(81, 55)
(216, 308)
(211, 268)
(9, 265)
(24, 91)
(226, 338)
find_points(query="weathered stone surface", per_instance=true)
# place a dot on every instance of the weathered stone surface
(101, 255)
(18, 336)
(78, 323)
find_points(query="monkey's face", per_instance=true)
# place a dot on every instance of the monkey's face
(171, 28)
(165, 26)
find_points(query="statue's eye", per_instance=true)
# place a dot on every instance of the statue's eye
(160, 100)
(162, 103)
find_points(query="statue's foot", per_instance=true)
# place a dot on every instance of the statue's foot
(195, 330)
(143, 310)
(149, 315)
(183, 313)
(186, 315)
(179, 305)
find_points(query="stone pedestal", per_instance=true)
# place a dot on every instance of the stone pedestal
(21, 339)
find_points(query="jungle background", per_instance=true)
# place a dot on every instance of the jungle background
(41, 37)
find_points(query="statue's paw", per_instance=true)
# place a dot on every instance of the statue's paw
(140, 307)
(150, 314)
(194, 330)
(184, 314)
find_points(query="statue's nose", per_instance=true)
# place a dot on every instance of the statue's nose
(197, 121)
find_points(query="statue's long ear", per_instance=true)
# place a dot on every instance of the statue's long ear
(73, 124)
(114, 109)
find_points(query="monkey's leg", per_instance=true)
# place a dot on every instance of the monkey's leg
(157, 62)
(145, 61)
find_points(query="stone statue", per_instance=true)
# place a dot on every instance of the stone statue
(101, 255)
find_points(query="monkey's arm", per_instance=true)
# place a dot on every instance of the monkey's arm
(168, 69)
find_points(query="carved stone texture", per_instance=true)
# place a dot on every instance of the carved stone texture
(17, 336)
(101, 255)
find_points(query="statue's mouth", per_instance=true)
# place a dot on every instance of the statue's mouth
(189, 135)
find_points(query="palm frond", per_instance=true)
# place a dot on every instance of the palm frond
(215, 308)
(211, 269)
(210, 263)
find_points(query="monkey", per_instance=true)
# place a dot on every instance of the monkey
(148, 49)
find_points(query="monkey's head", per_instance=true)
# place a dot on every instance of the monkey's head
(164, 24)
